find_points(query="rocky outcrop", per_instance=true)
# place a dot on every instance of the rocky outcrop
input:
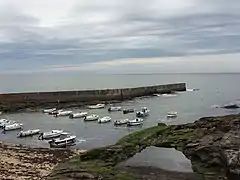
(211, 143)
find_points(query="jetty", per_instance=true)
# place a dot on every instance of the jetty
(10, 102)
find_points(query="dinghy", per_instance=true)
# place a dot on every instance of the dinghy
(51, 134)
(28, 133)
(92, 117)
(63, 141)
(78, 115)
(63, 113)
(144, 112)
(121, 122)
(49, 110)
(172, 114)
(104, 119)
(126, 111)
(97, 106)
(11, 127)
(117, 108)
(135, 122)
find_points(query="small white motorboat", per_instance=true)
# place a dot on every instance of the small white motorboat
(104, 119)
(63, 113)
(11, 127)
(92, 117)
(144, 112)
(135, 122)
(64, 140)
(51, 134)
(116, 108)
(49, 110)
(78, 115)
(28, 133)
(55, 112)
(121, 122)
(6, 122)
(97, 106)
(172, 114)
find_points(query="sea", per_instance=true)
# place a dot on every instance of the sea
(214, 89)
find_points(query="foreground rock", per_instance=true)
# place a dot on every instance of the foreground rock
(22, 163)
(212, 144)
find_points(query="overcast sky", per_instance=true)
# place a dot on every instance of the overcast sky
(120, 35)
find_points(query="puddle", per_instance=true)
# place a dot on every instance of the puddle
(163, 158)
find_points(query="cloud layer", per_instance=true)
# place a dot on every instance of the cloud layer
(41, 34)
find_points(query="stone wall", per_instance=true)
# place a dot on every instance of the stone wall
(13, 101)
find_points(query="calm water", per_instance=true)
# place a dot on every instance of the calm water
(163, 158)
(214, 89)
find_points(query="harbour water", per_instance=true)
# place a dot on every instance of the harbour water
(190, 105)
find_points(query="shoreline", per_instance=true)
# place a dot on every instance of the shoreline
(29, 162)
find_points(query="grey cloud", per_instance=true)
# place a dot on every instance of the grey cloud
(104, 30)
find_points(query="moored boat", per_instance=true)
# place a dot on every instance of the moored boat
(126, 111)
(97, 106)
(172, 114)
(64, 140)
(49, 110)
(116, 108)
(11, 127)
(104, 119)
(63, 113)
(51, 134)
(92, 117)
(78, 115)
(121, 122)
(28, 133)
(6, 122)
(55, 112)
(135, 122)
(144, 112)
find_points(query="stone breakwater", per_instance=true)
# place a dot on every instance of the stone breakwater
(22, 163)
(22, 101)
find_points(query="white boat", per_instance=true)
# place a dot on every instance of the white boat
(63, 113)
(104, 119)
(78, 115)
(144, 112)
(14, 126)
(92, 117)
(55, 112)
(51, 134)
(97, 106)
(116, 108)
(172, 114)
(169, 95)
(64, 140)
(3, 120)
(121, 122)
(6, 122)
(28, 133)
(135, 122)
(49, 110)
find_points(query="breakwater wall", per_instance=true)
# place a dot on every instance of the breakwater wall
(17, 101)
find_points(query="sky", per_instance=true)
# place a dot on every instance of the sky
(120, 35)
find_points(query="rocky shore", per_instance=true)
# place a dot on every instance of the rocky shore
(211, 143)
(22, 163)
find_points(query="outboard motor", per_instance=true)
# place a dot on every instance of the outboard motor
(40, 137)
(71, 116)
